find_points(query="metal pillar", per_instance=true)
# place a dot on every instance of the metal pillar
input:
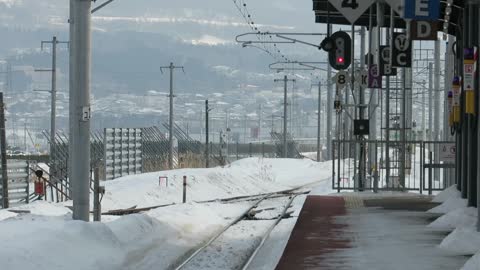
(71, 94)
(207, 154)
(97, 207)
(449, 175)
(374, 42)
(171, 67)
(329, 110)
(53, 100)
(424, 107)
(170, 122)
(285, 115)
(53, 106)
(361, 110)
(436, 104)
(389, 37)
(81, 134)
(472, 201)
(3, 145)
(459, 131)
(477, 35)
(449, 70)
(319, 121)
(403, 127)
(430, 102)
(472, 39)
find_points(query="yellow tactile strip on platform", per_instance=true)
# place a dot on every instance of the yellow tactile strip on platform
(353, 202)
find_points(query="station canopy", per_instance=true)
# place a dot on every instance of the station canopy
(325, 12)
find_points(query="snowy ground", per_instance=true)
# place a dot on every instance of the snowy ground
(158, 238)
(461, 221)
(48, 238)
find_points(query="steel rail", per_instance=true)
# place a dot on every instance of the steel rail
(238, 219)
(267, 234)
(242, 217)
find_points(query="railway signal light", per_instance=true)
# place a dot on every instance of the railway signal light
(339, 48)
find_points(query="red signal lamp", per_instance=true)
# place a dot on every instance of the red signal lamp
(340, 60)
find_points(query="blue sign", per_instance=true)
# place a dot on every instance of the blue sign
(426, 10)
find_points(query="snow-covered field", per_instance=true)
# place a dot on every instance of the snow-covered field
(48, 238)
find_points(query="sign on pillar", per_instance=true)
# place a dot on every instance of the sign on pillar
(447, 152)
(361, 77)
(341, 79)
(386, 68)
(402, 50)
(456, 99)
(469, 69)
(427, 10)
(423, 30)
(374, 77)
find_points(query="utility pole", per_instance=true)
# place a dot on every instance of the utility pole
(170, 122)
(436, 124)
(430, 101)
(207, 146)
(259, 122)
(285, 116)
(71, 94)
(53, 94)
(437, 104)
(329, 105)
(3, 145)
(424, 106)
(319, 121)
(81, 110)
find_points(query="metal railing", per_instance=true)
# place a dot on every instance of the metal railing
(405, 169)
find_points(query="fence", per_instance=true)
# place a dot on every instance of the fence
(403, 168)
(438, 165)
(123, 152)
(18, 182)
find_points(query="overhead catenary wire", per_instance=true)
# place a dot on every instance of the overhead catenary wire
(271, 48)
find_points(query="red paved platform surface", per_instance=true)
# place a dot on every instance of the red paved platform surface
(315, 234)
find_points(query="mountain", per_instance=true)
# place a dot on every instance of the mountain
(133, 39)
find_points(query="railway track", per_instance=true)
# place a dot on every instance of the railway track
(258, 221)
(281, 193)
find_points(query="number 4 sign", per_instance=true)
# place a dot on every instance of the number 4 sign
(352, 9)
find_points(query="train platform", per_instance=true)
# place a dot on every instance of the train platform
(357, 232)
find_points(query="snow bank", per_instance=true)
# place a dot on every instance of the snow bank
(143, 224)
(27, 241)
(4, 214)
(462, 241)
(461, 217)
(449, 205)
(39, 242)
(41, 208)
(473, 263)
(192, 218)
(451, 192)
(244, 177)
(48, 238)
